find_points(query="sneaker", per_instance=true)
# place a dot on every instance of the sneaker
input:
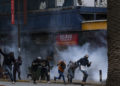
(13, 82)
(34, 82)
(48, 82)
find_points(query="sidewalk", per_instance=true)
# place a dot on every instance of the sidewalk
(58, 82)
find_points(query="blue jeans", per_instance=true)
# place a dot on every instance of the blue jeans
(61, 75)
(8, 69)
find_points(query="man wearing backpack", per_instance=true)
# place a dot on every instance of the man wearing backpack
(61, 67)
(9, 60)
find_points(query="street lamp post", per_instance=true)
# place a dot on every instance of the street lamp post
(19, 30)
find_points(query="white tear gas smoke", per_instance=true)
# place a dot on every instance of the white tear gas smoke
(11, 45)
(98, 57)
(30, 50)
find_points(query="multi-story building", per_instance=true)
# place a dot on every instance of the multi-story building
(50, 24)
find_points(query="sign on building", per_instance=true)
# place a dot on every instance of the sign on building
(67, 39)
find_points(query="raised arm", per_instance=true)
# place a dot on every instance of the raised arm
(89, 63)
(2, 52)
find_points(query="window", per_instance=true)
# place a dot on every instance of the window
(59, 3)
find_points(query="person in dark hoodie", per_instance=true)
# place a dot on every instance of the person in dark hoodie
(36, 69)
(9, 60)
(71, 71)
(16, 68)
(45, 69)
(83, 64)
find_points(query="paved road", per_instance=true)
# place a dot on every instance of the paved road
(31, 84)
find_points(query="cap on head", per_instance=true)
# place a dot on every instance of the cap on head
(86, 56)
(39, 57)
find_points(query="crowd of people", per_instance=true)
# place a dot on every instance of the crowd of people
(82, 63)
(40, 68)
(11, 65)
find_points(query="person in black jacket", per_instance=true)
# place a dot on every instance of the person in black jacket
(36, 69)
(83, 64)
(45, 70)
(16, 68)
(8, 62)
(40, 68)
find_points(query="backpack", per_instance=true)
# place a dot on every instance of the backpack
(63, 65)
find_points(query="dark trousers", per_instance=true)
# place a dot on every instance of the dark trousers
(45, 72)
(71, 72)
(15, 71)
(85, 75)
(36, 74)
(8, 69)
(60, 75)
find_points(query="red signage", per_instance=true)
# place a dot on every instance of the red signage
(12, 12)
(67, 39)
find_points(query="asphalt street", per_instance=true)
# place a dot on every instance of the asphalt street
(4, 83)
(31, 84)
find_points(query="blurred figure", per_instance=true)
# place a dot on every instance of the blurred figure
(36, 69)
(16, 68)
(71, 70)
(43, 4)
(9, 60)
(83, 64)
(61, 67)
(40, 69)
(80, 2)
(45, 70)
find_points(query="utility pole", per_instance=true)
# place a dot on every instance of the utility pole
(19, 30)
(95, 4)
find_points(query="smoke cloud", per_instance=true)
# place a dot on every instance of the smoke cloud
(98, 57)
(96, 48)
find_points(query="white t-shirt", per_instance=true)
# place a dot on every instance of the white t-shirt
(84, 68)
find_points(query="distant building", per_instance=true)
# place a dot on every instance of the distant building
(87, 3)
(46, 22)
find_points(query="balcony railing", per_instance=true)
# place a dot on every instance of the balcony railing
(48, 4)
